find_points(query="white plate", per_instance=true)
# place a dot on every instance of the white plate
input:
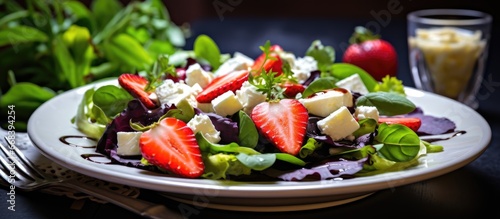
(52, 120)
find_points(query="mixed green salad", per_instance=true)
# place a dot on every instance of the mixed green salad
(203, 114)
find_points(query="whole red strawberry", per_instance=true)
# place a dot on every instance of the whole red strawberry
(374, 55)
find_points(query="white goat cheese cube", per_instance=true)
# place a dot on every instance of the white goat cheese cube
(195, 74)
(128, 143)
(206, 107)
(353, 83)
(249, 97)
(338, 125)
(202, 123)
(324, 104)
(363, 112)
(226, 104)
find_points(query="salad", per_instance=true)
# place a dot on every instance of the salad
(203, 114)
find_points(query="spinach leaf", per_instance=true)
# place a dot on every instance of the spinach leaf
(400, 143)
(207, 146)
(176, 36)
(248, 133)
(234, 148)
(389, 104)
(318, 85)
(290, 159)
(205, 48)
(257, 161)
(111, 99)
(324, 55)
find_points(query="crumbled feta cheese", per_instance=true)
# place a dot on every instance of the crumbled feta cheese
(363, 112)
(249, 97)
(303, 67)
(195, 74)
(171, 92)
(288, 57)
(323, 104)
(237, 62)
(202, 123)
(226, 104)
(338, 125)
(353, 83)
(128, 143)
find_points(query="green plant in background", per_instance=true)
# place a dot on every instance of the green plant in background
(51, 46)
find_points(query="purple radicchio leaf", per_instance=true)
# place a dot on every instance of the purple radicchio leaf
(314, 75)
(228, 128)
(432, 125)
(340, 168)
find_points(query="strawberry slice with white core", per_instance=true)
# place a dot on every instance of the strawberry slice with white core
(135, 85)
(219, 85)
(413, 123)
(283, 122)
(171, 145)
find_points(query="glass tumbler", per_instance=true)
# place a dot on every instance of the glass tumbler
(448, 49)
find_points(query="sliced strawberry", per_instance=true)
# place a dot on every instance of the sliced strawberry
(411, 122)
(276, 48)
(283, 122)
(290, 89)
(135, 85)
(228, 82)
(172, 145)
(272, 63)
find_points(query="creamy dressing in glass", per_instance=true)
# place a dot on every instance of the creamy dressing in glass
(450, 55)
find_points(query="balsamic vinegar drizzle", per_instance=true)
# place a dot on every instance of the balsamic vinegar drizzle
(457, 133)
(90, 156)
(64, 139)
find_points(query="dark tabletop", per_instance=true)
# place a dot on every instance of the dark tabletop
(470, 191)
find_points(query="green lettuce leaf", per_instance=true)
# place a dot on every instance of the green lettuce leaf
(220, 165)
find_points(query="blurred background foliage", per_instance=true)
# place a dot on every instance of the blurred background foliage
(51, 46)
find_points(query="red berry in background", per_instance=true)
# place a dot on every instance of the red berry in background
(374, 55)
